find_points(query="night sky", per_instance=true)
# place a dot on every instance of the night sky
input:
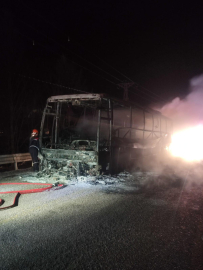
(156, 44)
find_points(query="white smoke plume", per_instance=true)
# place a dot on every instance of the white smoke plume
(186, 112)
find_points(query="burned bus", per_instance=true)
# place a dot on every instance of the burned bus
(89, 134)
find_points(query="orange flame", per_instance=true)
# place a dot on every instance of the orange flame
(188, 144)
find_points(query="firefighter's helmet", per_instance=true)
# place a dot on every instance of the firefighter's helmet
(34, 132)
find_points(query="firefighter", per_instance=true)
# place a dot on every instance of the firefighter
(34, 148)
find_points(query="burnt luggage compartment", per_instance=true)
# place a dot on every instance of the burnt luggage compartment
(86, 134)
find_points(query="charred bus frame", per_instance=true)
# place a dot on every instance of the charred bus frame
(84, 134)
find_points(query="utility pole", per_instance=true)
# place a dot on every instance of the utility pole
(125, 86)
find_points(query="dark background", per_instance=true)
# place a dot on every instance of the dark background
(50, 48)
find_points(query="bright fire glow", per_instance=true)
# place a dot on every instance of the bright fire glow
(188, 144)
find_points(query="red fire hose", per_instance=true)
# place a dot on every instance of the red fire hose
(19, 192)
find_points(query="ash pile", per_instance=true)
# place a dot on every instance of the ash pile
(64, 178)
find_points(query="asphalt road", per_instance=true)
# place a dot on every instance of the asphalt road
(84, 226)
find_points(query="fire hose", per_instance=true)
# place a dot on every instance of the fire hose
(27, 191)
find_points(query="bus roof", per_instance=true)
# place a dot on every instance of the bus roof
(90, 97)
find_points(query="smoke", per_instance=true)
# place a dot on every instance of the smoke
(185, 113)
(188, 111)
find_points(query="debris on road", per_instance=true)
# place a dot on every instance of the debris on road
(57, 177)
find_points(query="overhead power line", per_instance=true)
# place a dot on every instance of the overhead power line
(55, 84)
(148, 98)
(62, 32)
(67, 49)
(152, 93)
(37, 43)
(71, 88)
(37, 13)
(84, 59)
